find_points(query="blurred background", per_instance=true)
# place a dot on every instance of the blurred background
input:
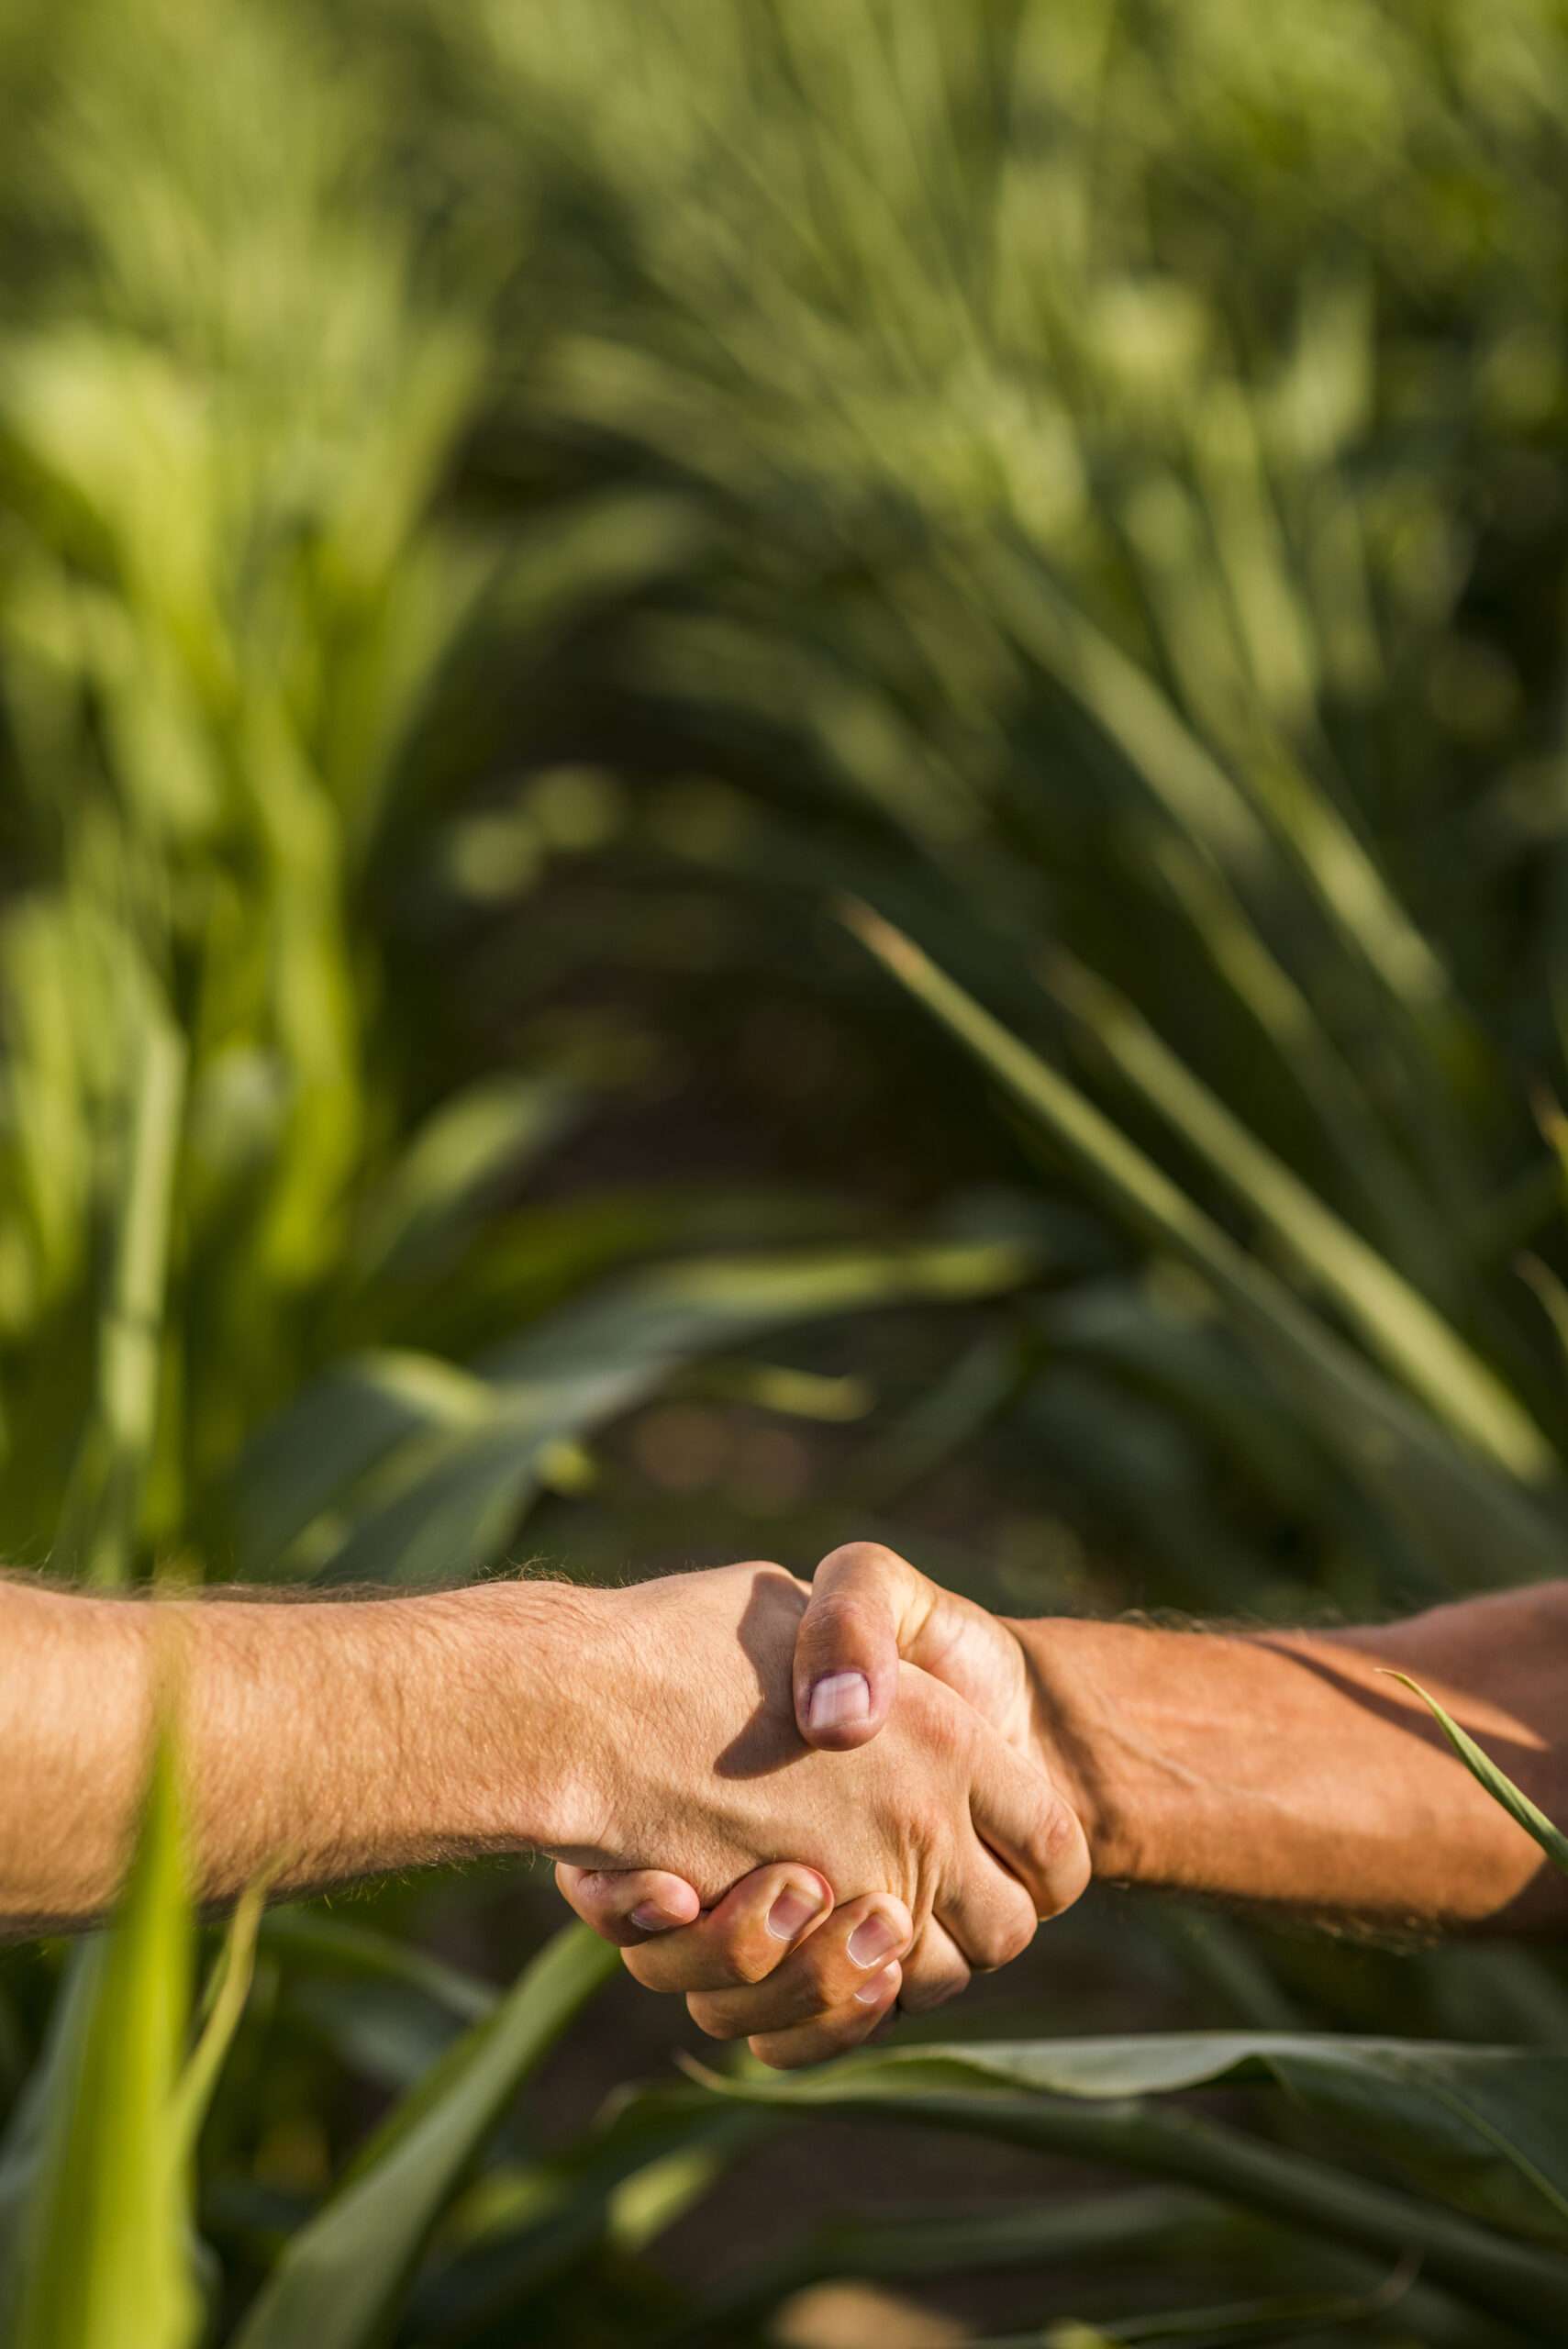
(510, 517)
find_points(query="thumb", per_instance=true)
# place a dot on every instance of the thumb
(867, 1606)
(626, 1905)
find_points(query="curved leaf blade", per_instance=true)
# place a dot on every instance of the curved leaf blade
(1479, 2127)
(1498, 1784)
(103, 2251)
(1460, 1506)
(341, 2278)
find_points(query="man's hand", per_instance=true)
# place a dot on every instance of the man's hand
(338, 1739)
(869, 1608)
(802, 1997)
(942, 1828)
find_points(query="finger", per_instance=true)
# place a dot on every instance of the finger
(934, 1971)
(821, 1973)
(744, 1939)
(867, 1603)
(626, 1905)
(985, 1909)
(1020, 1815)
(832, 2035)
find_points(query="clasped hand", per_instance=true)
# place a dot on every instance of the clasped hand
(887, 1776)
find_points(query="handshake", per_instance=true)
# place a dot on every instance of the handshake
(838, 1800)
(796, 1803)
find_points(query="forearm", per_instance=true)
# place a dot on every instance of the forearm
(1281, 1768)
(317, 1742)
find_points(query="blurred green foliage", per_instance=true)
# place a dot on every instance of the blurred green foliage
(510, 520)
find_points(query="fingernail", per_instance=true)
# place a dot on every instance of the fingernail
(874, 1937)
(792, 1910)
(650, 1919)
(870, 1993)
(841, 1696)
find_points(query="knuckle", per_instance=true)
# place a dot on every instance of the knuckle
(772, 1584)
(920, 1993)
(1005, 1939)
(587, 1891)
(934, 1717)
(711, 2019)
(858, 1557)
(836, 1616)
(744, 1963)
(1058, 1831)
(1063, 1858)
(824, 1974)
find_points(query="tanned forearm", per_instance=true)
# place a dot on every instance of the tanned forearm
(1280, 1767)
(647, 1726)
(317, 1742)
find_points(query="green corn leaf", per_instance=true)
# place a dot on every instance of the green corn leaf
(1230, 2326)
(613, 1348)
(340, 2280)
(1179, 1349)
(102, 1511)
(1414, 1342)
(30, 2121)
(1501, 1788)
(1300, 1048)
(224, 2003)
(103, 2251)
(384, 2009)
(1478, 2126)
(1452, 1497)
(457, 1457)
(1476, 2132)
(1206, 802)
(452, 1165)
(648, 2158)
(454, 1505)
(313, 1454)
(362, 1960)
(896, 2246)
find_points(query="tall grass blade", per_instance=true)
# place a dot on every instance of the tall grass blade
(338, 2282)
(103, 1512)
(104, 2252)
(1396, 1322)
(223, 2006)
(1500, 1786)
(1474, 2130)
(1463, 1510)
(419, 1472)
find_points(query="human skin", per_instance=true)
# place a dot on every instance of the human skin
(322, 1742)
(1282, 1769)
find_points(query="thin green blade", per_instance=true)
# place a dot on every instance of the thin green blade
(341, 2278)
(1461, 1509)
(105, 2249)
(1501, 1788)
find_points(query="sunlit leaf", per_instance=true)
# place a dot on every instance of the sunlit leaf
(1478, 1520)
(339, 2280)
(1475, 2128)
(488, 1134)
(102, 1511)
(1501, 1788)
(1395, 1320)
(103, 2256)
(461, 1455)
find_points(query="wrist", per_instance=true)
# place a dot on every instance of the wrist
(535, 1719)
(1083, 1738)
